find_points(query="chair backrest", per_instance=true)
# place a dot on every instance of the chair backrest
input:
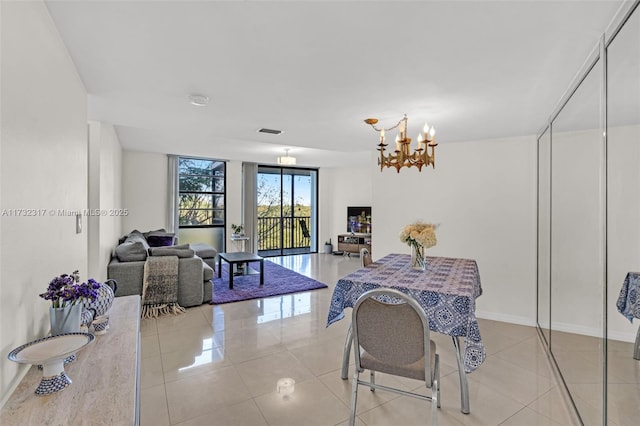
(392, 327)
(365, 257)
(305, 230)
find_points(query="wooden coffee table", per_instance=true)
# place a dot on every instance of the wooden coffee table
(238, 258)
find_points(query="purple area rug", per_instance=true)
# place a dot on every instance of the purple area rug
(277, 280)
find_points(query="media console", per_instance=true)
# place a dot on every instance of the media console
(352, 243)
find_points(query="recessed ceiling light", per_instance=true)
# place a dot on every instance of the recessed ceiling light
(198, 100)
(270, 131)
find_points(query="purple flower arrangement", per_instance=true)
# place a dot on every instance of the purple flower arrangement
(66, 290)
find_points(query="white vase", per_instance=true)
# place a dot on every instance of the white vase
(418, 257)
(65, 320)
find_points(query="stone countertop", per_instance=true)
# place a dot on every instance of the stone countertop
(105, 380)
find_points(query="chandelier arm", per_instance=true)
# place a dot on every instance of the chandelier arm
(385, 129)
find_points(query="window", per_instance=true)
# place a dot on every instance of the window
(201, 198)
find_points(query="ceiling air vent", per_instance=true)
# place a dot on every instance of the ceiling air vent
(270, 131)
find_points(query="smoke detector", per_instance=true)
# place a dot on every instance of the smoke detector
(198, 99)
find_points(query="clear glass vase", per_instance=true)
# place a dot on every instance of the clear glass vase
(418, 257)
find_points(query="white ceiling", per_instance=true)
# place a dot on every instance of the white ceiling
(317, 69)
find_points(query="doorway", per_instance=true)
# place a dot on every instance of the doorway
(286, 210)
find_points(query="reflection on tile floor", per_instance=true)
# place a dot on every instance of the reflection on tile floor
(579, 358)
(220, 364)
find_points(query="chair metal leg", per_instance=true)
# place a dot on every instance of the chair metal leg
(464, 385)
(437, 376)
(346, 354)
(636, 346)
(435, 401)
(373, 381)
(354, 397)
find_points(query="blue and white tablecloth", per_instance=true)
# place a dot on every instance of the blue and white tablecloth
(447, 291)
(629, 300)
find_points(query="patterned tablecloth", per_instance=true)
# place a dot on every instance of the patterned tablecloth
(629, 300)
(446, 291)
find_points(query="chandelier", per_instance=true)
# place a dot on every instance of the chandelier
(402, 156)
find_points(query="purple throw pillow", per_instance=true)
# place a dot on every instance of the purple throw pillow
(160, 240)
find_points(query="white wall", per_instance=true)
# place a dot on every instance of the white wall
(233, 200)
(43, 166)
(577, 237)
(105, 196)
(623, 230)
(144, 190)
(338, 189)
(483, 195)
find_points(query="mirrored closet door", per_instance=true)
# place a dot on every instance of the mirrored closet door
(544, 233)
(577, 240)
(588, 276)
(623, 221)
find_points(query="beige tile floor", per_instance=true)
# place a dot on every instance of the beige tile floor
(579, 358)
(218, 365)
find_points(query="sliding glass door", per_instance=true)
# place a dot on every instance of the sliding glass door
(286, 210)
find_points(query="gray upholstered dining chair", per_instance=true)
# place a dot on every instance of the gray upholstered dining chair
(365, 257)
(393, 338)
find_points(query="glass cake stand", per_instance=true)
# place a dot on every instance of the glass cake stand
(50, 352)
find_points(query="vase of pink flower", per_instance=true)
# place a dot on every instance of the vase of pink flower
(419, 236)
(67, 294)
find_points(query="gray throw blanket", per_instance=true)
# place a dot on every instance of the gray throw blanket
(160, 287)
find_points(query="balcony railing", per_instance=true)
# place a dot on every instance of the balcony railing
(275, 233)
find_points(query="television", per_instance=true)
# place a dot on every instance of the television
(359, 220)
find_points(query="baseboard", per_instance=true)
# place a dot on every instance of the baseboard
(577, 329)
(623, 337)
(512, 319)
(594, 332)
(22, 371)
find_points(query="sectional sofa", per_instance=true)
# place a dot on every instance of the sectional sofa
(196, 265)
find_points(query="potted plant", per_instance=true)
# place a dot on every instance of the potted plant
(238, 230)
(328, 247)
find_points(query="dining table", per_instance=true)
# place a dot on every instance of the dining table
(628, 304)
(446, 290)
